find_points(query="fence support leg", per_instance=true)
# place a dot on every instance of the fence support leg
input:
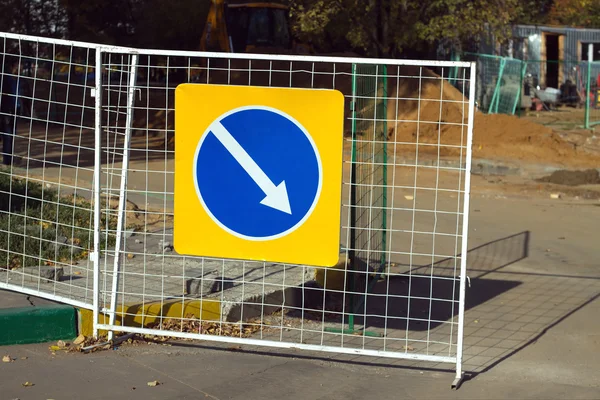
(122, 193)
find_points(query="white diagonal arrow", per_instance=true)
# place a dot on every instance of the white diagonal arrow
(276, 196)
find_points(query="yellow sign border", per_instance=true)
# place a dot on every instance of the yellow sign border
(320, 112)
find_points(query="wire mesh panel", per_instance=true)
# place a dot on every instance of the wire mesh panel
(508, 92)
(406, 156)
(489, 76)
(593, 93)
(47, 134)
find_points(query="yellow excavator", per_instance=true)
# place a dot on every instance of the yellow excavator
(244, 27)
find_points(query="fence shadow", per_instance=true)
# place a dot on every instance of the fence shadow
(420, 298)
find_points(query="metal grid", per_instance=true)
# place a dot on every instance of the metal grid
(422, 138)
(410, 170)
(591, 71)
(47, 133)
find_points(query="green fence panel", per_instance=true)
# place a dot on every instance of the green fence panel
(508, 86)
(503, 83)
(592, 110)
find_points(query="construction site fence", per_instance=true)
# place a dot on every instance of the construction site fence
(507, 85)
(87, 200)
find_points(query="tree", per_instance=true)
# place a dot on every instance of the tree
(391, 27)
(577, 13)
(170, 25)
(33, 17)
(109, 22)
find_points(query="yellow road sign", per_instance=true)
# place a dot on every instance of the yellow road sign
(258, 173)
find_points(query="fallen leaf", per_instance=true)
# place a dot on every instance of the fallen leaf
(408, 348)
(23, 358)
(409, 197)
(61, 344)
(54, 348)
(26, 384)
(6, 359)
(130, 256)
(77, 272)
(476, 321)
(153, 383)
(80, 339)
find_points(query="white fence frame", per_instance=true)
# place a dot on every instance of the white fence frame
(97, 188)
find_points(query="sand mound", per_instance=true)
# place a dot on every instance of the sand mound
(437, 112)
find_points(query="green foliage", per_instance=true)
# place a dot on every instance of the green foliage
(170, 24)
(37, 227)
(33, 17)
(148, 23)
(579, 13)
(389, 27)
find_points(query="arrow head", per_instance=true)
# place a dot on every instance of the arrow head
(278, 199)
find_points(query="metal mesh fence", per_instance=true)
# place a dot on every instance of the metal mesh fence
(405, 178)
(47, 133)
(509, 86)
(592, 99)
(508, 91)
(93, 169)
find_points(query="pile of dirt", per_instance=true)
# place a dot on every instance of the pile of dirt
(573, 178)
(424, 118)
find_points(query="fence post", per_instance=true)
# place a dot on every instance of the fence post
(588, 85)
(96, 188)
(122, 194)
(464, 245)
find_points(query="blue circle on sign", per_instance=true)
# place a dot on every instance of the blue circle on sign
(257, 173)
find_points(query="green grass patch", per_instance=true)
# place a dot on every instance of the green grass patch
(39, 227)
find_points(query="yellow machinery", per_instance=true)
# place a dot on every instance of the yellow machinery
(241, 27)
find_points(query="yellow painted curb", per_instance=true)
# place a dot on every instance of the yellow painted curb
(147, 314)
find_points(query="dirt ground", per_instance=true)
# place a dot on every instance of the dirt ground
(430, 111)
(531, 332)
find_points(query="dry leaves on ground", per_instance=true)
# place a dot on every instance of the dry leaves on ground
(193, 325)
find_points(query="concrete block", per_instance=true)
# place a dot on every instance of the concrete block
(202, 285)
